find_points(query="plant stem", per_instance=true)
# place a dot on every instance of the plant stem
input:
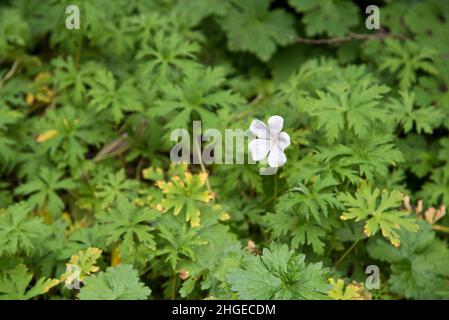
(78, 51)
(440, 228)
(347, 252)
(275, 196)
(331, 246)
(10, 73)
(173, 292)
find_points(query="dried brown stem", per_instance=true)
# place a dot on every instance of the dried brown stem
(10, 73)
(350, 37)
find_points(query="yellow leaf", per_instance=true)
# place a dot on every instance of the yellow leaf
(153, 173)
(29, 99)
(339, 292)
(195, 222)
(224, 216)
(50, 283)
(85, 261)
(203, 177)
(47, 135)
(115, 256)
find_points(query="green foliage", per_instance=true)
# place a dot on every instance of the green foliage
(67, 134)
(436, 189)
(200, 92)
(128, 224)
(105, 94)
(118, 283)
(379, 211)
(279, 274)
(18, 231)
(424, 119)
(348, 107)
(14, 284)
(368, 158)
(42, 190)
(186, 195)
(70, 77)
(86, 136)
(180, 243)
(14, 32)
(9, 117)
(405, 60)
(311, 201)
(332, 17)
(251, 26)
(115, 186)
(168, 58)
(418, 266)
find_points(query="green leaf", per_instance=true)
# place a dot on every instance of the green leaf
(200, 92)
(105, 95)
(186, 195)
(129, 224)
(424, 119)
(300, 230)
(342, 105)
(179, 241)
(419, 266)
(168, 58)
(195, 11)
(279, 274)
(332, 17)
(379, 210)
(252, 27)
(69, 78)
(405, 60)
(436, 190)
(42, 190)
(18, 231)
(15, 284)
(117, 283)
(212, 261)
(66, 135)
(369, 157)
(14, 31)
(312, 201)
(115, 186)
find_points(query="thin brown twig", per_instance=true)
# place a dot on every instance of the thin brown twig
(10, 73)
(347, 252)
(252, 103)
(350, 37)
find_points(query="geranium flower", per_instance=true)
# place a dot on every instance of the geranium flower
(270, 141)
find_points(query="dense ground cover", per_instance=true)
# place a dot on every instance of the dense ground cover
(92, 207)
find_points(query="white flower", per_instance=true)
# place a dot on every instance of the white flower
(270, 141)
